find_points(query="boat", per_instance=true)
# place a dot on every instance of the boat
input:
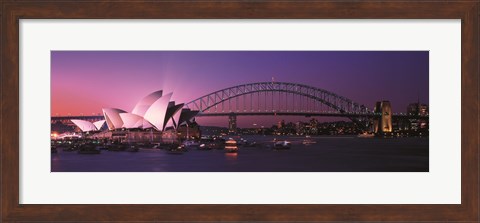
(190, 144)
(207, 146)
(242, 142)
(102, 147)
(132, 148)
(88, 149)
(251, 144)
(366, 135)
(117, 147)
(70, 148)
(282, 145)
(231, 146)
(176, 149)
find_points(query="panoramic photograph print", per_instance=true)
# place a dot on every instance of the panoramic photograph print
(239, 111)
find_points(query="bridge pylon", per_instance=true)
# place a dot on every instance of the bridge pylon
(232, 123)
(383, 123)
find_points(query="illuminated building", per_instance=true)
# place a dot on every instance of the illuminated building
(419, 110)
(155, 111)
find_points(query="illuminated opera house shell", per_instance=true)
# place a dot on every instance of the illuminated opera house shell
(87, 126)
(153, 111)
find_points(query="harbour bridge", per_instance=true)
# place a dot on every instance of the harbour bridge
(278, 98)
(285, 99)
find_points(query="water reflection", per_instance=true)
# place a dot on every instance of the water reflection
(231, 157)
(324, 154)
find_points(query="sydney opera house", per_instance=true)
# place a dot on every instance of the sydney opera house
(155, 112)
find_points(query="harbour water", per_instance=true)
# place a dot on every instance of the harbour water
(313, 154)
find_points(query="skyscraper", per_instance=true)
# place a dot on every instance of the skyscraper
(418, 110)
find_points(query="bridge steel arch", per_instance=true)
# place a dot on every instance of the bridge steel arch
(339, 103)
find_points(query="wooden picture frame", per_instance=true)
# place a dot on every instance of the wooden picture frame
(12, 11)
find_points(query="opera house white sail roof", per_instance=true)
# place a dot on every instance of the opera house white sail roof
(112, 117)
(99, 124)
(87, 126)
(143, 105)
(157, 112)
(153, 111)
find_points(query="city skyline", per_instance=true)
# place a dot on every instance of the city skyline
(84, 82)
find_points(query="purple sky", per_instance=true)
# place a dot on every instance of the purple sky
(84, 82)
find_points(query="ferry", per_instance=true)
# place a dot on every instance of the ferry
(231, 146)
